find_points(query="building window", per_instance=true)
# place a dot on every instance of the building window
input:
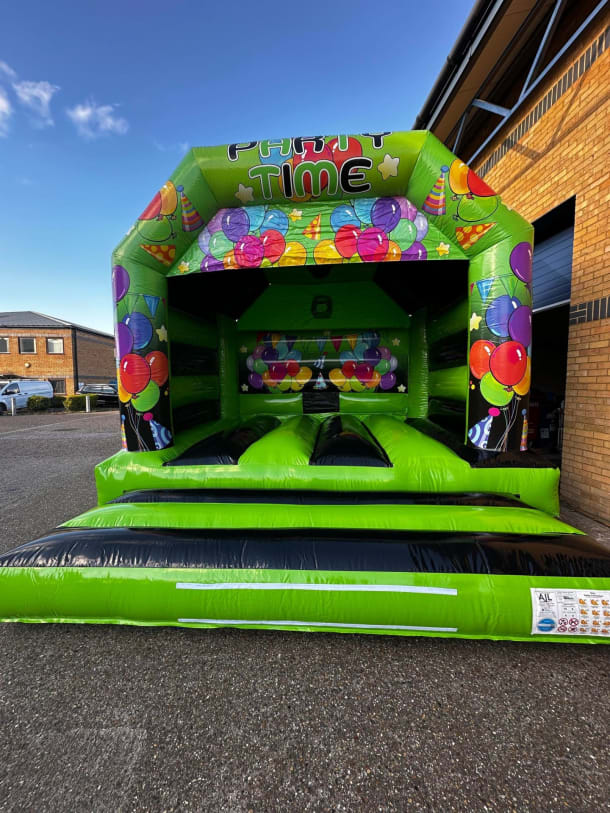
(3, 344)
(55, 346)
(59, 385)
(27, 344)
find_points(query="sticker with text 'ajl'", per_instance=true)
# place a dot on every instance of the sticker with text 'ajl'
(570, 612)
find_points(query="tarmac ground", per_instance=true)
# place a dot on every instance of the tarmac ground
(103, 718)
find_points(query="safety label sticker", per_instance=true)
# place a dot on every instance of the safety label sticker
(570, 612)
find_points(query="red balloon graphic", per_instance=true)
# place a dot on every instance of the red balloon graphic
(349, 369)
(346, 240)
(354, 150)
(157, 361)
(292, 367)
(134, 373)
(364, 372)
(508, 363)
(477, 185)
(309, 154)
(273, 245)
(153, 209)
(480, 354)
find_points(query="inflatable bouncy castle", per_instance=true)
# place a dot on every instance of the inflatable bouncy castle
(323, 349)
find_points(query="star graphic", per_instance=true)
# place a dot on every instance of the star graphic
(401, 388)
(244, 388)
(295, 215)
(396, 341)
(184, 267)
(475, 321)
(162, 333)
(388, 167)
(243, 349)
(443, 249)
(245, 193)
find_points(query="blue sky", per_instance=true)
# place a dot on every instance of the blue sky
(99, 100)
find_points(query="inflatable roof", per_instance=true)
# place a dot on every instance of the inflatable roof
(323, 349)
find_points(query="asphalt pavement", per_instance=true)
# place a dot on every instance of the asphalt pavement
(101, 718)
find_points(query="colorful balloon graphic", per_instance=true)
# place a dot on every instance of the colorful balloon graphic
(339, 157)
(249, 252)
(373, 244)
(326, 252)
(147, 398)
(210, 263)
(508, 363)
(159, 368)
(480, 356)
(343, 215)
(275, 219)
(407, 209)
(295, 253)
(220, 245)
(273, 245)
(309, 154)
(124, 340)
(493, 392)
(363, 208)
(134, 373)
(140, 327)
(120, 282)
(346, 240)
(521, 261)
(520, 325)
(235, 224)
(499, 312)
(385, 214)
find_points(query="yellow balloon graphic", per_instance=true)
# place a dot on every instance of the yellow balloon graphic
(169, 199)
(229, 261)
(267, 380)
(374, 381)
(458, 175)
(337, 378)
(523, 387)
(284, 385)
(294, 254)
(326, 252)
(296, 386)
(303, 375)
(123, 394)
(357, 386)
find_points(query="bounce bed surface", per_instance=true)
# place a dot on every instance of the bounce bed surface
(281, 459)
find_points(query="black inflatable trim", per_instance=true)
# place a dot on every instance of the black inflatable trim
(225, 448)
(343, 440)
(303, 549)
(302, 497)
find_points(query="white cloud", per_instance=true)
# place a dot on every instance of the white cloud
(7, 70)
(92, 120)
(37, 96)
(6, 111)
(181, 147)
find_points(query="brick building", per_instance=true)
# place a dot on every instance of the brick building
(524, 99)
(33, 345)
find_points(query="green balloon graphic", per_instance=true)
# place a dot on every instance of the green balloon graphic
(404, 234)
(219, 245)
(259, 366)
(383, 366)
(494, 392)
(147, 398)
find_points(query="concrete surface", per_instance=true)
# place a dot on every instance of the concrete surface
(128, 719)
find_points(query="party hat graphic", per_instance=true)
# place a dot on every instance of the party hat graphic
(524, 432)
(484, 286)
(313, 230)
(164, 254)
(435, 202)
(161, 435)
(320, 383)
(467, 236)
(191, 219)
(479, 433)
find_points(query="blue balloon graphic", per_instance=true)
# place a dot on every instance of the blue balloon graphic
(275, 156)
(499, 312)
(347, 355)
(343, 215)
(275, 219)
(256, 215)
(363, 208)
(141, 329)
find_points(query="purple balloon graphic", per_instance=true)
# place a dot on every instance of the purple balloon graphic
(269, 355)
(520, 325)
(372, 355)
(385, 353)
(499, 312)
(387, 381)
(393, 363)
(250, 363)
(521, 261)
(124, 340)
(417, 251)
(140, 327)
(258, 351)
(120, 282)
(255, 380)
(204, 240)
(421, 224)
(385, 214)
(235, 224)
(210, 263)
(407, 209)
(215, 223)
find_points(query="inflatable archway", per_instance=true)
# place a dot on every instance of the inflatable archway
(323, 349)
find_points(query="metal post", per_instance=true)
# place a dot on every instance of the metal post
(13, 406)
(87, 403)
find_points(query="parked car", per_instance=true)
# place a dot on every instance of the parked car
(106, 394)
(20, 390)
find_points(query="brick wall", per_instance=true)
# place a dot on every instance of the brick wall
(563, 154)
(95, 356)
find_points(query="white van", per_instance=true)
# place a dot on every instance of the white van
(20, 390)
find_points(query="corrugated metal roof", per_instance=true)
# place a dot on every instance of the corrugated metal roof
(27, 319)
(552, 270)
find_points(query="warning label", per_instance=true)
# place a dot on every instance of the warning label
(570, 612)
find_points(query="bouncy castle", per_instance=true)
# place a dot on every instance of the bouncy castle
(324, 360)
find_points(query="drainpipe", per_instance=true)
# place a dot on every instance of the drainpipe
(74, 358)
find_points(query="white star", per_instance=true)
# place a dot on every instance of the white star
(162, 333)
(243, 349)
(388, 167)
(396, 341)
(401, 388)
(245, 193)
(244, 388)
